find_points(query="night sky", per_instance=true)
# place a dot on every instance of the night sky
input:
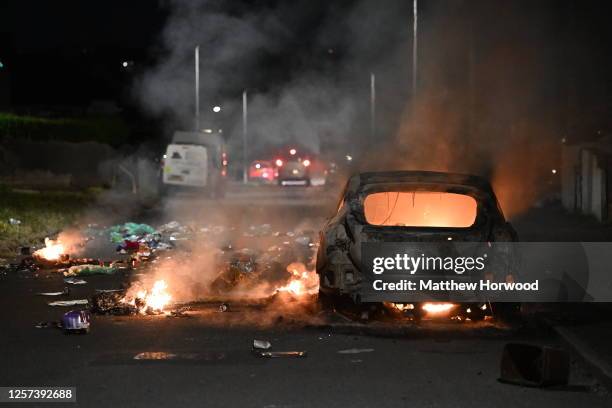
(70, 52)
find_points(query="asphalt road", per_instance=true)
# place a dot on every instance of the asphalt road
(210, 360)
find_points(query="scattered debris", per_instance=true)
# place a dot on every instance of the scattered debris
(534, 366)
(89, 269)
(48, 325)
(224, 307)
(155, 355)
(14, 221)
(280, 354)
(64, 292)
(180, 312)
(76, 321)
(261, 344)
(120, 232)
(75, 281)
(356, 351)
(303, 240)
(74, 302)
(52, 251)
(112, 303)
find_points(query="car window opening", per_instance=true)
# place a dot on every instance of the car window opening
(420, 209)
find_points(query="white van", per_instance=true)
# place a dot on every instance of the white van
(195, 160)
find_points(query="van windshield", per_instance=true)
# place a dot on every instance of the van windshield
(420, 209)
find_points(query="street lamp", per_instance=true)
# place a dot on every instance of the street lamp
(216, 109)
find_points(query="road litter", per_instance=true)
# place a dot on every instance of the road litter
(109, 290)
(356, 351)
(261, 344)
(534, 366)
(281, 354)
(64, 292)
(155, 355)
(89, 269)
(112, 303)
(74, 302)
(76, 321)
(303, 240)
(180, 312)
(167, 356)
(14, 221)
(75, 281)
(224, 307)
(48, 325)
(119, 233)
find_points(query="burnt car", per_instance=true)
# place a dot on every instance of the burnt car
(409, 207)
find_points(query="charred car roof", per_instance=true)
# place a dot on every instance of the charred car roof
(446, 181)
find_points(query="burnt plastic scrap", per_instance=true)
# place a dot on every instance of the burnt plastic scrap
(110, 303)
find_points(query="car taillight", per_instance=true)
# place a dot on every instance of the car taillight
(306, 163)
(279, 162)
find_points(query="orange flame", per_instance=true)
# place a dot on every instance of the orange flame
(155, 299)
(302, 281)
(52, 250)
(437, 308)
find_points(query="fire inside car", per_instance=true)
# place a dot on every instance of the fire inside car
(420, 209)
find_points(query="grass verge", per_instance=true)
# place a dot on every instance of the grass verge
(41, 213)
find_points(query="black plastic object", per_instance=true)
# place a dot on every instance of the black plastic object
(533, 365)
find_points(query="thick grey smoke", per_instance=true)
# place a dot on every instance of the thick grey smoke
(320, 96)
(485, 86)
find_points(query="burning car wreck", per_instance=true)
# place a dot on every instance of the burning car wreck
(411, 208)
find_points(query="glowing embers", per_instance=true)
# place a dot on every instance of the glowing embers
(420, 209)
(438, 308)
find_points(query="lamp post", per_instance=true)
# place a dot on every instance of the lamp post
(245, 165)
(197, 88)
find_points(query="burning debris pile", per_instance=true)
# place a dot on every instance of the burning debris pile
(302, 281)
(136, 300)
(52, 251)
(177, 264)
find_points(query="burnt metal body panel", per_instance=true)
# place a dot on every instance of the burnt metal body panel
(339, 254)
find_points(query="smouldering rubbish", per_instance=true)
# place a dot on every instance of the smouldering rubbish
(52, 250)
